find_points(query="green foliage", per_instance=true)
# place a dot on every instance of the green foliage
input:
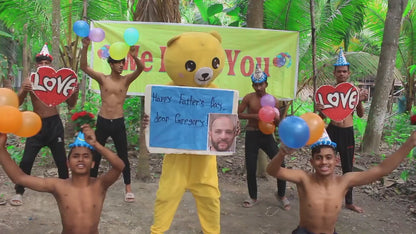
(404, 175)
(15, 152)
(132, 117)
(397, 129)
(225, 169)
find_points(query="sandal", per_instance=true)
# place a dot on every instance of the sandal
(16, 200)
(249, 203)
(283, 201)
(129, 197)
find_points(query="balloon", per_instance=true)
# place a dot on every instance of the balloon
(96, 34)
(267, 114)
(118, 50)
(268, 100)
(131, 36)
(266, 128)
(8, 97)
(277, 112)
(316, 126)
(81, 28)
(31, 124)
(10, 119)
(294, 132)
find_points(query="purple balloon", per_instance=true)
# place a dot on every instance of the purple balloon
(268, 100)
(96, 34)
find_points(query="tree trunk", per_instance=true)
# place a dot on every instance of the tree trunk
(152, 11)
(255, 20)
(384, 78)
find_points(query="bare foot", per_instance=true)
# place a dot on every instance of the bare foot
(354, 208)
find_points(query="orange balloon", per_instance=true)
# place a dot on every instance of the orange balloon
(10, 119)
(316, 126)
(31, 124)
(8, 98)
(266, 128)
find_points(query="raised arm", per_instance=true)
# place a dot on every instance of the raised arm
(363, 95)
(275, 168)
(98, 76)
(72, 100)
(24, 90)
(18, 176)
(139, 66)
(117, 165)
(384, 168)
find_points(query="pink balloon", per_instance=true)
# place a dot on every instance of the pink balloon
(96, 34)
(268, 100)
(267, 114)
(277, 112)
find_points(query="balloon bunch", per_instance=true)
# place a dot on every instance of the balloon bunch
(296, 132)
(267, 113)
(24, 124)
(82, 29)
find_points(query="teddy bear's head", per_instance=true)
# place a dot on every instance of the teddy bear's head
(194, 58)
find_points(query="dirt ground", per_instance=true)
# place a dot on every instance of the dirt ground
(387, 208)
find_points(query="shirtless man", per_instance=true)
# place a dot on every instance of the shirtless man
(321, 193)
(342, 132)
(110, 119)
(80, 198)
(51, 133)
(255, 139)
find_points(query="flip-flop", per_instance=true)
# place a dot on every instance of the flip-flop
(283, 201)
(129, 197)
(249, 203)
(16, 200)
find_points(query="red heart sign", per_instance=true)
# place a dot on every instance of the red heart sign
(339, 101)
(53, 87)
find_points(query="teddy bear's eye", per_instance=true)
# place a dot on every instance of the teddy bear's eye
(190, 65)
(216, 63)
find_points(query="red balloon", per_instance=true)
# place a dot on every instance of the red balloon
(8, 97)
(10, 119)
(31, 124)
(266, 128)
(267, 114)
(316, 126)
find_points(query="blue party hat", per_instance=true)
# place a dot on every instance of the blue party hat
(258, 76)
(341, 60)
(80, 142)
(324, 140)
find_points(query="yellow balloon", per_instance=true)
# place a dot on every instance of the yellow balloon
(10, 119)
(31, 124)
(118, 50)
(8, 97)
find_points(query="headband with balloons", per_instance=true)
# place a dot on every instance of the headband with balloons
(117, 50)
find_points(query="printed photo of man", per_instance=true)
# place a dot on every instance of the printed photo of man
(222, 132)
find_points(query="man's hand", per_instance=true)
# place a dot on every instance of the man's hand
(27, 85)
(286, 149)
(132, 51)
(86, 42)
(363, 95)
(145, 120)
(89, 134)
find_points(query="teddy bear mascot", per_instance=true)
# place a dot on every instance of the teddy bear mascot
(192, 59)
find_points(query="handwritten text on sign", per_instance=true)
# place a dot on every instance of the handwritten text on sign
(179, 115)
(53, 87)
(338, 102)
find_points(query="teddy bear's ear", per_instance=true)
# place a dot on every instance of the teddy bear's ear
(216, 35)
(173, 40)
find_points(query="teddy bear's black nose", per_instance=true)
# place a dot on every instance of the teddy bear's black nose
(205, 75)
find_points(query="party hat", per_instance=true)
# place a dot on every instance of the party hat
(258, 76)
(324, 140)
(44, 52)
(341, 60)
(80, 142)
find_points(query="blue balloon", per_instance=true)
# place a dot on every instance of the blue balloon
(81, 28)
(294, 132)
(131, 36)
